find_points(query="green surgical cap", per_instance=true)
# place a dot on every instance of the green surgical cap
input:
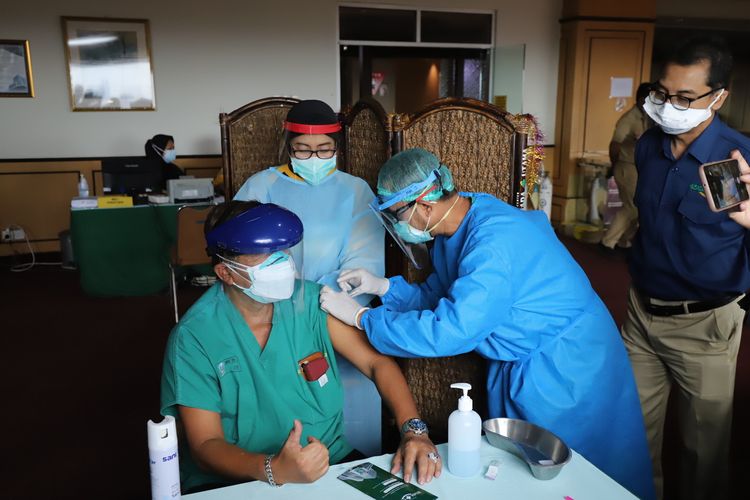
(412, 167)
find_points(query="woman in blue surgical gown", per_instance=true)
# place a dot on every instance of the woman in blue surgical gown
(504, 286)
(341, 232)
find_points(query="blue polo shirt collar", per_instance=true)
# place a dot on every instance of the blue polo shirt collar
(700, 149)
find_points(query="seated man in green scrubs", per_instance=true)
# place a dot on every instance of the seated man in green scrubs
(250, 371)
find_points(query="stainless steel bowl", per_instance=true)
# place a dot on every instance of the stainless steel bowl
(544, 452)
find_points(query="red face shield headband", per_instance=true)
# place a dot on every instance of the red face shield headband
(301, 128)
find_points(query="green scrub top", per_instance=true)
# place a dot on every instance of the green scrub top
(213, 362)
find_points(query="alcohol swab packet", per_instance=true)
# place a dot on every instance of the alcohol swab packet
(492, 469)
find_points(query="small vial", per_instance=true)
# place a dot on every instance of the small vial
(492, 469)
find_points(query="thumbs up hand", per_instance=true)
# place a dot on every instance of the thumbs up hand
(300, 464)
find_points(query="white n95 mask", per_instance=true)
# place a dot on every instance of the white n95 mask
(674, 121)
(271, 281)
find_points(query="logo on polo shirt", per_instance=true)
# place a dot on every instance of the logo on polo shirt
(698, 189)
(228, 365)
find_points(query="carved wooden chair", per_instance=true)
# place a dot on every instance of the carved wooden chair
(251, 139)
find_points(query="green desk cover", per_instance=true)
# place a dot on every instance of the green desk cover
(124, 251)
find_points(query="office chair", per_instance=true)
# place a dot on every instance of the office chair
(190, 245)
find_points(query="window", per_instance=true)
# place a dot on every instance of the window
(415, 26)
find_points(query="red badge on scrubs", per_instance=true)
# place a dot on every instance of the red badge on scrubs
(314, 368)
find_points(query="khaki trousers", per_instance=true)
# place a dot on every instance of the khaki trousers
(697, 353)
(625, 223)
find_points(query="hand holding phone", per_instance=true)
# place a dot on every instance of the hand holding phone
(722, 184)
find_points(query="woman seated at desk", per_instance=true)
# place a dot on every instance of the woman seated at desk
(250, 370)
(160, 150)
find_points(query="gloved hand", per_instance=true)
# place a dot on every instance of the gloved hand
(340, 305)
(359, 281)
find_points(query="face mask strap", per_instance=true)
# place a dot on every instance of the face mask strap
(445, 216)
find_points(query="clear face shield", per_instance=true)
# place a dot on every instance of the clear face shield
(417, 252)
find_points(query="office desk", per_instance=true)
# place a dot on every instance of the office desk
(124, 251)
(578, 480)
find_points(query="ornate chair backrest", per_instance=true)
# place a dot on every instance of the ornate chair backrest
(367, 140)
(483, 148)
(251, 139)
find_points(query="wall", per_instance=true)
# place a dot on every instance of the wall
(725, 9)
(36, 195)
(215, 57)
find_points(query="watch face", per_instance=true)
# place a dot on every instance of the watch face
(416, 426)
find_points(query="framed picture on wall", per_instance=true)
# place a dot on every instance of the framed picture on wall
(15, 69)
(109, 64)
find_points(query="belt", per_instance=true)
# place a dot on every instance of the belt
(685, 308)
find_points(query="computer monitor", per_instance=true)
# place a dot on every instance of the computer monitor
(131, 176)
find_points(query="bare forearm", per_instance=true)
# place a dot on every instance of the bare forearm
(219, 457)
(393, 389)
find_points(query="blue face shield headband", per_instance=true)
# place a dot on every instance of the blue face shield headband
(408, 192)
(264, 229)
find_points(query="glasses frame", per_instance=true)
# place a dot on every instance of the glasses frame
(293, 153)
(668, 97)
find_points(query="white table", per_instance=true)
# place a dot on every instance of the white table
(579, 480)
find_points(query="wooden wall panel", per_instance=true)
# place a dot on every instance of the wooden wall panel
(591, 52)
(611, 54)
(36, 195)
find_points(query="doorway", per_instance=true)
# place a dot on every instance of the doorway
(405, 79)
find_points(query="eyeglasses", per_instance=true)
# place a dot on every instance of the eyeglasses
(306, 154)
(397, 213)
(680, 102)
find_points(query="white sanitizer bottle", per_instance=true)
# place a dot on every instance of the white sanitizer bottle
(83, 186)
(464, 436)
(163, 459)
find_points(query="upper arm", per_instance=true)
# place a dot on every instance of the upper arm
(353, 345)
(622, 128)
(200, 426)
(188, 376)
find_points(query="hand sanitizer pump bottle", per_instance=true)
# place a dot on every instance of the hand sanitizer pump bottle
(464, 436)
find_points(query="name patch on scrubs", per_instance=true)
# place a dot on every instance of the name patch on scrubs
(228, 365)
(314, 368)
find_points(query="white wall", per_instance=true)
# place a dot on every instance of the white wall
(215, 56)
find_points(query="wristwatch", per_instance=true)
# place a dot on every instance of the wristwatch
(415, 425)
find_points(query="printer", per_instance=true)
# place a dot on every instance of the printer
(186, 190)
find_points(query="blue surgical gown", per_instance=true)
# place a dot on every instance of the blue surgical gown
(504, 286)
(341, 232)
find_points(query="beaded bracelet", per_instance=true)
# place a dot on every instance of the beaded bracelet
(269, 472)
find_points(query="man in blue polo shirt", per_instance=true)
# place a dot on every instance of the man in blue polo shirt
(690, 268)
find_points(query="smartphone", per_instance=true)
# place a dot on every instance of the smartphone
(722, 185)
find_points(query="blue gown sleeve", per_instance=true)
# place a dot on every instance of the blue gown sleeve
(461, 320)
(365, 245)
(255, 188)
(403, 296)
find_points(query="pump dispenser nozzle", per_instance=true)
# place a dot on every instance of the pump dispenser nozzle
(464, 402)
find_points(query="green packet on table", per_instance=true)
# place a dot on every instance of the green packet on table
(382, 485)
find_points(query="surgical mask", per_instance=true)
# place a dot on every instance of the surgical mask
(313, 170)
(412, 235)
(674, 121)
(271, 281)
(169, 155)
